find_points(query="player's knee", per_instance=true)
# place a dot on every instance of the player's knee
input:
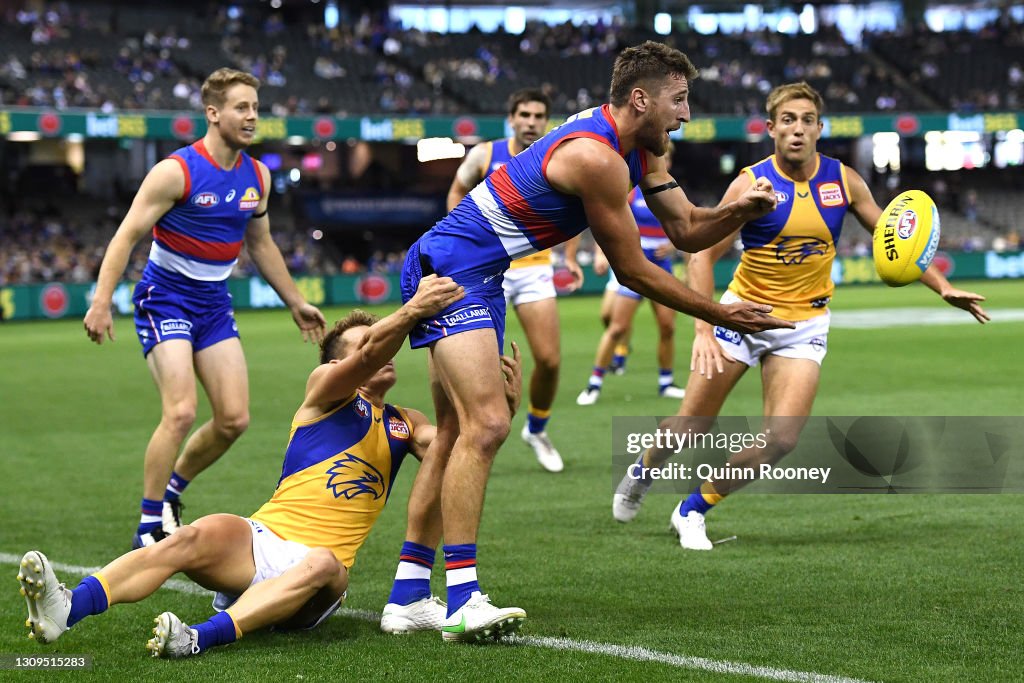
(617, 330)
(547, 362)
(180, 417)
(323, 566)
(781, 444)
(489, 431)
(233, 425)
(666, 332)
(185, 545)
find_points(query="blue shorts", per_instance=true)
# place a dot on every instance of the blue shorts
(663, 263)
(482, 307)
(173, 307)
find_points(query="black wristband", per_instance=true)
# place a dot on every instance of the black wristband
(659, 188)
(260, 215)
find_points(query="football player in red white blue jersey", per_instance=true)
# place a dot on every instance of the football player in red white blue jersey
(201, 203)
(786, 262)
(578, 175)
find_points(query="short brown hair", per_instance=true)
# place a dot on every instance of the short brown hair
(333, 347)
(216, 86)
(528, 95)
(793, 91)
(642, 64)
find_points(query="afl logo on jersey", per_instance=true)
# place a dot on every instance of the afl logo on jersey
(206, 200)
(398, 429)
(781, 197)
(250, 200)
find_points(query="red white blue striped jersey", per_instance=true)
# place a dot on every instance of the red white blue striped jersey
(515, 211)
(652, 235)
(201, 236)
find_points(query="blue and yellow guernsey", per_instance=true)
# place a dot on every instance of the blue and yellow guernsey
(337, 474)
(788, 253)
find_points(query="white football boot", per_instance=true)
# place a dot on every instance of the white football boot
(588, 396)
(672, 391)
(628, 498)
(478, 621)
(49, 602)
(172, 639)
(427, 614)
(547, 454)
(690, 529)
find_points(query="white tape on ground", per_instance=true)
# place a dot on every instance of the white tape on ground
(631, 652)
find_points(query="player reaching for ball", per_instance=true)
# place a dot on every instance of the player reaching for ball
(786, 262)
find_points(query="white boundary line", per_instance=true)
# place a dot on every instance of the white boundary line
(630, 652)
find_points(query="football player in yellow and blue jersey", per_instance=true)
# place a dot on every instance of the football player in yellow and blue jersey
(787, 263)
(287, 564)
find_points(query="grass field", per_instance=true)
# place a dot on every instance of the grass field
(816, 588)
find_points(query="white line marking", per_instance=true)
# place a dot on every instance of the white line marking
(912, 317)
(631, 652)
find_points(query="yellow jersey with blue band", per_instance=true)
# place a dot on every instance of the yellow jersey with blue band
(788, 253)
(337, 474)
(500, 153)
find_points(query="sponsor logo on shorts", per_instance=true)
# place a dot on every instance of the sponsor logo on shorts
(175, 326)
(250, 200)
(397, 428)
(206, 200)
(831, 194)
(819, 343)
(731, 336)
(906, 224)
(466, 316)
(490, 277)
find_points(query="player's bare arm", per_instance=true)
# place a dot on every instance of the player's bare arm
(867, 211)
(471, 172)
(423, 433)
(337, 380)
(161, 188)
(693, 228)
(270, 263)
(597, 175)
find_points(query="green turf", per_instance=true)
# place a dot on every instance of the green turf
(901, 588)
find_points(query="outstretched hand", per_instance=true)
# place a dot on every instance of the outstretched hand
(99, 321)
(708, 356)
(513, 371)
(969, 301)
(433, 295)
(310, 321)
(747, 317)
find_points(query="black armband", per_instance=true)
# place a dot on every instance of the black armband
(261, 214)
(671, 185)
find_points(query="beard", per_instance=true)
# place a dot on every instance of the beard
(653, 139)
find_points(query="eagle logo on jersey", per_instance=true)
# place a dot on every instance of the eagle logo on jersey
(352, 476)
(794, 249)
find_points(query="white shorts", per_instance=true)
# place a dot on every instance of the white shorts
(809, 340)
(528, 284)
(273, 556)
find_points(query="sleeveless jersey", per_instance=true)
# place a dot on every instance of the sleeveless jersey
(337, 474)
(652, 235)
(515, 211)
(201, 236)
(501, 152)
(787, 254)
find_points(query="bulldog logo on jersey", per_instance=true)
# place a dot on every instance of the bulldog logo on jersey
(397, 428)
(250, 200)
(352, 476)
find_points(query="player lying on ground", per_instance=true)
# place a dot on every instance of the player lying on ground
(287, 565)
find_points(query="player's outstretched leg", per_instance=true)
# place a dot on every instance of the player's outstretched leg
(172, 639)
(478, 621)
(49, 602)
(629, 496)
(547, 455)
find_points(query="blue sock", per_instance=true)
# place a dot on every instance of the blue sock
(460, 573)
(412, 579)
(152, 511)
(618, 362)
(175, 487)
(87, 599)
(664, 378)
(537, 424)
(696, 502)
(217, 630)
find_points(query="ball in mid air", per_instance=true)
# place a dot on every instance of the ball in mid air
(906, 238)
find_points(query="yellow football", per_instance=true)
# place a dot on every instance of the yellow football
(906, 238)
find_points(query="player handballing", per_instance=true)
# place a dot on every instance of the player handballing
(201, 203)
(287, 564)
(528, 284)
(578, 175)
(787, 263)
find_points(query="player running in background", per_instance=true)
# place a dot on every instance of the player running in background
(287, 564)
(659, 250)
(201, 203)
(528, 283)
(786, 262)
(578, 175)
